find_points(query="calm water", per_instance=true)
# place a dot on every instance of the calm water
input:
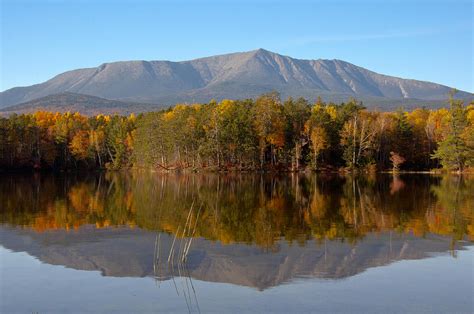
(140, 242)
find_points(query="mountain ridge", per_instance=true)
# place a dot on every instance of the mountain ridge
(236, 76)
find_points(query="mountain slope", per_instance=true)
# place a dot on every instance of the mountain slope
(236, 76)
(85, 104)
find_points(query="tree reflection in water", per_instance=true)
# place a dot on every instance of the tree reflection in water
(253, 209)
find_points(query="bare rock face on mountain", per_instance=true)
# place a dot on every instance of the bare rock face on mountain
(234, 76)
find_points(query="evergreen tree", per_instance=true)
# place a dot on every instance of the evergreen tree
(453, 150)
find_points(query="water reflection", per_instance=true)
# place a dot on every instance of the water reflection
(250, 230)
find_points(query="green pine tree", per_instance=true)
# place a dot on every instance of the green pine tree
(453, 151)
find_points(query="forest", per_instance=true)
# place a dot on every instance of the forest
(265, 134)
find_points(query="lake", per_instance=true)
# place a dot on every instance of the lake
(143, 242)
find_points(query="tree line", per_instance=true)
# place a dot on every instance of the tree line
(245, 135)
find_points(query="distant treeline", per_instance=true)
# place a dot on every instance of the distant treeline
(262, 134)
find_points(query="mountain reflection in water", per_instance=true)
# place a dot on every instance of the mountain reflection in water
(250, 230)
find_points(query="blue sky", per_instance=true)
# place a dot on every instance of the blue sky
(425, 40)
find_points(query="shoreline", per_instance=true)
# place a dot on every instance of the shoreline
(234, 171)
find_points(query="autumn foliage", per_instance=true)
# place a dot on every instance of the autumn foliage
(263, 134)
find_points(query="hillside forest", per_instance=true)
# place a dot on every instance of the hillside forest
(265, 134)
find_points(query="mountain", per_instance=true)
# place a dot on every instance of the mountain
(234, 76)
(85, 104)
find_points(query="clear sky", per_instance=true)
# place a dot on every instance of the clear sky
(420, 39)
